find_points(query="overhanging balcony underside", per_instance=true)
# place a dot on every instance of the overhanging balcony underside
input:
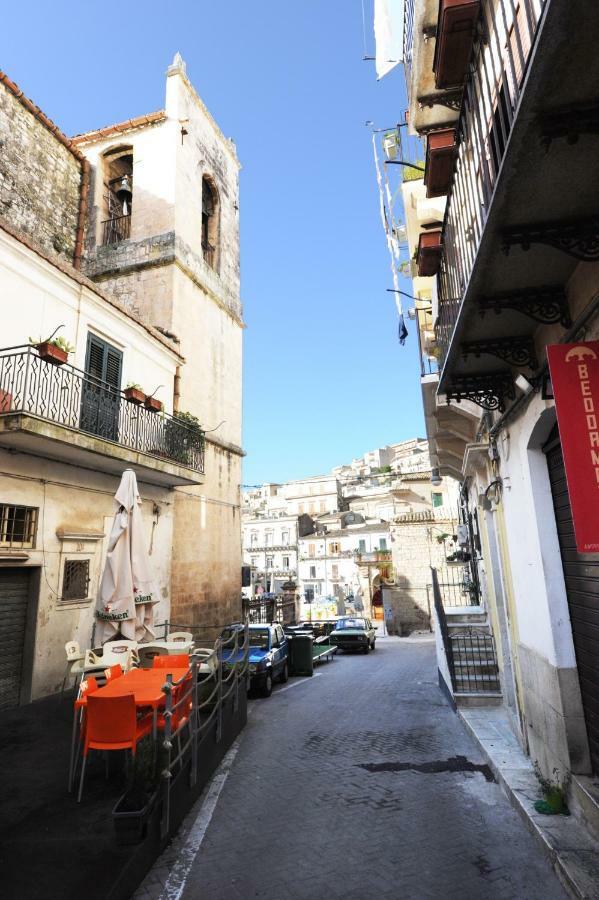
(59, 413)
(541, 209)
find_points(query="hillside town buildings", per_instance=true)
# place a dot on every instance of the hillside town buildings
(360, 528)
(124, 243)
(501, 232)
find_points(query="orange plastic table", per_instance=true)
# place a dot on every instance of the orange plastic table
(146, 685)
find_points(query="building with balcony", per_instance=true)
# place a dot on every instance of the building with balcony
(150, 322)
(270, 548)
(504, 95)
(345, 554)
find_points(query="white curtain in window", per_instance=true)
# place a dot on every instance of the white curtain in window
(388, 34)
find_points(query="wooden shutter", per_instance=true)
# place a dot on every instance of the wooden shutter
(104, 361)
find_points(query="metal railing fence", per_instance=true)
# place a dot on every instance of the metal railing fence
(116, 229)
(470, 653)
(68, 396)
(474, 662)
(505, 38)
(195, 702)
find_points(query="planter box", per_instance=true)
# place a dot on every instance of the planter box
(130, 826)
(5, 401)
(153, 404)
(134, 395)
(455, 35)
(440, 155)
(52, 353)
(429, 253)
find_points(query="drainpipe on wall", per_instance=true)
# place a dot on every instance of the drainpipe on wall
(82, 213)
(177, 389)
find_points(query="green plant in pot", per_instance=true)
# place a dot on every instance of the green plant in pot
(554, 793)
(54, 349)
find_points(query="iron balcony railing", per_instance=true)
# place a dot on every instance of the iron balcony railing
(67, 396)
(116, 229)
(502, 48)
(424, 322)
(408, 36)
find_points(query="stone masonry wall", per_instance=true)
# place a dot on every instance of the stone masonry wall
(40, 179)
(415, 550)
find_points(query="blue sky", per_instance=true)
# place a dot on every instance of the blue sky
(325, 377)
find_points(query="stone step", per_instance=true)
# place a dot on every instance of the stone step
(463, 617)
(484, 698)
(483, 682)
(488, 668)
(466, 627)
(584, 801)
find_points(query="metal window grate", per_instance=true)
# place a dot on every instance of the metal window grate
(18, 526)
(75, 582)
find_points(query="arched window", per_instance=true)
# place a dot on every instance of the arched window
(117, 199)
(209, 222)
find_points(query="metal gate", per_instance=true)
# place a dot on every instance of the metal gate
(581, 574)
(14, 597)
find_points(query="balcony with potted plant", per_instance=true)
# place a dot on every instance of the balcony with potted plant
(60, 412)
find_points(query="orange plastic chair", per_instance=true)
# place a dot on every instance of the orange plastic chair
(87, 686)
(114, 672)
(112, 724)
(180, 661)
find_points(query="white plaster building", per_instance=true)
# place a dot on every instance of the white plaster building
(158, 307)
(488, 320)
(270, 549)
(313, 496)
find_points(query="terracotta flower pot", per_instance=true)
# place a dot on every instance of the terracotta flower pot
(134, 395)
(153, 404)
(51, 353)
(5, 401)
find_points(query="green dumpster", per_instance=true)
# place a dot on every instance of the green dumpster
(300, 651)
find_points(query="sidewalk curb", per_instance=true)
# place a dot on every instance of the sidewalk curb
(572, 851)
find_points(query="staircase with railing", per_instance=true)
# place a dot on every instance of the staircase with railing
(469, 664)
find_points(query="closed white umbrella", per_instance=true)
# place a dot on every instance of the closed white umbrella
(127, 593)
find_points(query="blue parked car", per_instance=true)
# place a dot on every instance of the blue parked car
(268, 657)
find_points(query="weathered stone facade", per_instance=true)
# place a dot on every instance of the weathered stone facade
(163, 273)
(415, 550)
(40, 178)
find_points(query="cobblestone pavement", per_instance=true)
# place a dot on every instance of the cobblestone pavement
(361, 783)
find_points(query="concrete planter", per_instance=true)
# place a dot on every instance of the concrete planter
(130, 826)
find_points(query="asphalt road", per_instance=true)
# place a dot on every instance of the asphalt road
(359, 783)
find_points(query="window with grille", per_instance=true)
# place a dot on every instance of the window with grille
(75, 582)
(18, 526)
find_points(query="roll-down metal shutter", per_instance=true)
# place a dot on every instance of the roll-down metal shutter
(14, 597)
(581, 574)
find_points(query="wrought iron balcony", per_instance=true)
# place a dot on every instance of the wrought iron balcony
(66, 396)
(506, 36)
(116, 229)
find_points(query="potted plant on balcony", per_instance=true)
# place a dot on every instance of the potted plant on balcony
(152, 403)
(54, 350)
(131, 812)
(134, 394)
(181, 441)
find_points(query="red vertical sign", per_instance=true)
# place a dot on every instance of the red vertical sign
(574, 372)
